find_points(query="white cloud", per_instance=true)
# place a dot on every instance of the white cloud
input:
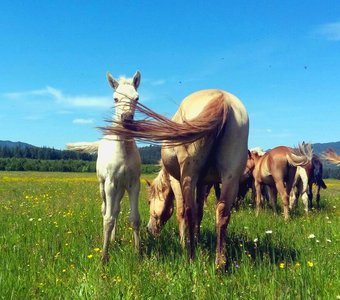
(158, 82)
(68, 100)
(82, 121)
(330, 31)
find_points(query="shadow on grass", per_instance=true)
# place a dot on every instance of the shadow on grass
(240, 245)
(167, 246)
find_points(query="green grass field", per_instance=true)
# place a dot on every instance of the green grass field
(51, 239)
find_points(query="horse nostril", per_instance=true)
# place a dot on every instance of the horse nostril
(127, 117)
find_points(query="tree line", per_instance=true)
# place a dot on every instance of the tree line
(53, 160)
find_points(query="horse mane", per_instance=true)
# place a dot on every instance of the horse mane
(331, 156)
(160, 184)
(124, 80)
(258, 150)
(157, 128)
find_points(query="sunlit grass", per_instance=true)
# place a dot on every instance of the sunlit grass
(51, 239)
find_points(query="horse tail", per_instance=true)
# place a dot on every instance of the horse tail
(331, 156)
(84, 147)
(161, 129)
(300, 156)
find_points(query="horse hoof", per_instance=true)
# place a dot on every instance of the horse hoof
(105, 260)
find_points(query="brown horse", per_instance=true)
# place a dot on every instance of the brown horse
(332, 157)
(277, 168)
(209, 131)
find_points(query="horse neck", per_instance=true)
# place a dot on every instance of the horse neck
(124, 144)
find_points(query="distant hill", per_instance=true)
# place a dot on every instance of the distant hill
(10, 144)
(320, 147)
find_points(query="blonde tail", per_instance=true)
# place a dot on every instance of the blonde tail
(84, 147)
(300, 156)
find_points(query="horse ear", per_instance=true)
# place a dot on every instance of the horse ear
(113, 82)
(136, 79)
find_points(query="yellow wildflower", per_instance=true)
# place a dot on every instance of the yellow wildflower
(282, 265)
(90, 256)
(310, 264)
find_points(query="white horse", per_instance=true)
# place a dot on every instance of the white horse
(118, 163)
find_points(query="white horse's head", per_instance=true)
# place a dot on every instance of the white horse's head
(125, 96)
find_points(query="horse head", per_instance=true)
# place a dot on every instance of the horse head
(125, 96)
(161, 203)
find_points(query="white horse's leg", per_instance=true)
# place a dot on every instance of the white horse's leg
(113, 195)
(304, 189)
(133, 192)
(102, 195)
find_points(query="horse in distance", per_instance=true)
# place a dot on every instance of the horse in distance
(305, 177)
(118, 163)
(208, 131)
(277, 169)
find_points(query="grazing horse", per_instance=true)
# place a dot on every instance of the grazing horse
(209, 131)
(277, 168)
(332, 157)
(118, 163)
(305, 177)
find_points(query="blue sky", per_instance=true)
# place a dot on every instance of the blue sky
(281, 58)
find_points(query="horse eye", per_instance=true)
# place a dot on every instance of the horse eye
(115, 99)
(137, 99)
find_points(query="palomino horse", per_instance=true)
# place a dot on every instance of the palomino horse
(332, 157)
(277, 169)
(163, 191)
(305, 177)
(209, 130)
(118, 163)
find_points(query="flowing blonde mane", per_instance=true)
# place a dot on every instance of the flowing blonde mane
(159, 129)
(161, 184)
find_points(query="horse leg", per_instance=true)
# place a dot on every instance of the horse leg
(176, 188)
(310, 195)
(200, 195)
(217, 191)
(318, 196)
(293, 199)
(223, 210)
(258, 197)
(291, 179)
(188, 185)
(133, 191)
(113, 195)
(273, 198)
(284, 196)
(303, 189)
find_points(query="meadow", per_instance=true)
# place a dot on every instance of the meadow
(51, 239)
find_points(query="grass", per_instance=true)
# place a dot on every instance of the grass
(51, 238)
